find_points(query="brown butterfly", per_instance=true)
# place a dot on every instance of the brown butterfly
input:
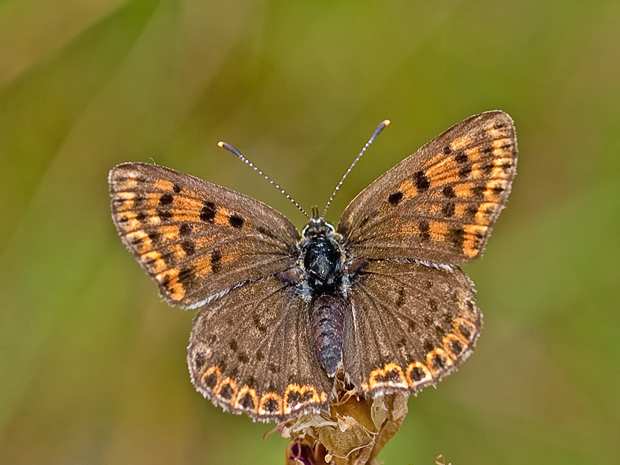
(379, 301)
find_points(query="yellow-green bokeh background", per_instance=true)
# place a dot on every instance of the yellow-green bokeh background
(92, 363)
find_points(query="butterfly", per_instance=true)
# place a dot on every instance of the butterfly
(377, 301)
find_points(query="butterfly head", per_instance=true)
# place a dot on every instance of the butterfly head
(317, 227)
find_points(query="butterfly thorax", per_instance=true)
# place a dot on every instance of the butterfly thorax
(322, 256)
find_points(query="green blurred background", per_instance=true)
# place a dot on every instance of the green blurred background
(92, 363)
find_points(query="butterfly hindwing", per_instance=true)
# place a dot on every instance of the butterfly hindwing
(413, 324)
(194, 238)
(251, 352)
(440, 203)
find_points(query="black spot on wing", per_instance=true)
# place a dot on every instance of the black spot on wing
(421, 181)
(448, 209)
(208, 211)
(424, 228)
(216, 256)
(464, 172)
(166, 199)
(185, 229)
(448, 192)
(164, 215)
(395, 198)
(461, 158)
(188, 247)
(236, 221)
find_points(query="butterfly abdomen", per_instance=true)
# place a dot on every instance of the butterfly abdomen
(327, 314)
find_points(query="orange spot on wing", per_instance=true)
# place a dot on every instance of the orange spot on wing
(129, 183)
(154, 261)
(177, 291)
(124, 201)
(460, 142)
(185, 216)
(127, 220)
(221, 217)
(498, 147)
(266, 398)
(163, 185)
(442, 169)
(459, 209)
(476, 173)
(301, 391)
(374, 382)
(473, 154)
(462, 321)
(177, 251)
(139, 241)
(438, 230)
(494, 132)
(151, 200)
(498, 170)
(463, 190)
(186, 203)
(243, 392)
(212, 370)
(202, 266)
(490, 194)
(447, 339)
(169, 232)
(474, 235)
(227, 382)
(408, 189)
(485, 213)
(170, 280)
(436, 159)
(444, 172)
(428, 376)
(449, 177)
(431, 209)
(152, 218)
(437, 352)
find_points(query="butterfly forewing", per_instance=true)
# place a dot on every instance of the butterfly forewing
(251, 352)
(413, 324)
(440, 203)
(194, 238)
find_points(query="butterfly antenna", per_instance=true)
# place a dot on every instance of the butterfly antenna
(236, 152)
(376, 132)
